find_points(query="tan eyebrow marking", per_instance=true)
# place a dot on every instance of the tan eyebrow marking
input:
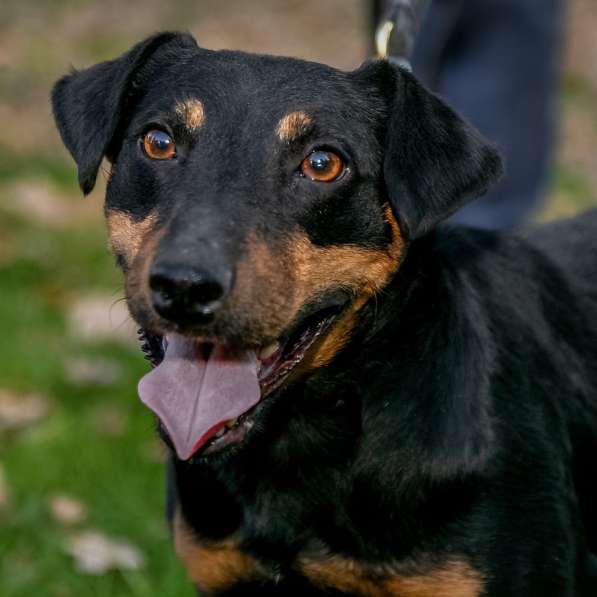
(192, 113)
(293, 125)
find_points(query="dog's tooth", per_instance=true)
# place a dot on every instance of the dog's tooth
(267, 351)
(221, 432)
(232, 423)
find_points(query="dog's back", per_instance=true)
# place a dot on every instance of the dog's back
(571, 244)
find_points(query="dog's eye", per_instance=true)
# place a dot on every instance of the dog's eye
(158, 145)
(322, 166)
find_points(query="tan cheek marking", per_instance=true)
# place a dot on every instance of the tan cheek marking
(191, 112)
(139, 273)
(136, 278)
(334, 341)
(275, 282)
(293, 125)
(456, 578)
(263, 289)
(127, 235)
(364, 271)
(213, 567)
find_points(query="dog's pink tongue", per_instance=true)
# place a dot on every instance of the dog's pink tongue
(195, 396)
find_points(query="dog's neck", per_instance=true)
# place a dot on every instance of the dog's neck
(425, 369)
(345, 417)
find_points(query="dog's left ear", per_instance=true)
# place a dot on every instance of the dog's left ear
(89, 104)
(434, 162)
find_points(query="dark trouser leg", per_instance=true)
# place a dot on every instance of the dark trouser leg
(496, 62)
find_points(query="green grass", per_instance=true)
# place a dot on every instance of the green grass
(19, 165)
(572, 193)
(43, 268)
(66, 453)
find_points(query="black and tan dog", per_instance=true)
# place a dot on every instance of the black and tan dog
(358, 402)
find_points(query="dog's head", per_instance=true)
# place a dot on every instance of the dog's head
(256, 204)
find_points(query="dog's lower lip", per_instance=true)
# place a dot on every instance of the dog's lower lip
(277, 361)
(273, 373)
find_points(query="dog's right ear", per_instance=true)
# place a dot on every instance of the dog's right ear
(90, 104)
(435, 162)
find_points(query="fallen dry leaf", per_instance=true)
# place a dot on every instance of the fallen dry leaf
(155, 451)
(109, 420)
(100, 317)
(96, 553)
(93, 371)
(41, 202)
(21, 410)
(67, 510)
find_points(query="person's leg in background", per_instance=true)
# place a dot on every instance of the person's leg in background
(497, 63)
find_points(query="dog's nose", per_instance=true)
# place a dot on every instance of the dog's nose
(187, 294)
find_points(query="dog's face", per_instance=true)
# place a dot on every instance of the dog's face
(256, 205)
(241, 200)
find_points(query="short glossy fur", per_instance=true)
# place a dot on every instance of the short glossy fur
(440, 440)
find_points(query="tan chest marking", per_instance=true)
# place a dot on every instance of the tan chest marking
(455, 578)
(213, 567)
(216, 567)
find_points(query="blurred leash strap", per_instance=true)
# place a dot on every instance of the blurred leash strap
(396, 32)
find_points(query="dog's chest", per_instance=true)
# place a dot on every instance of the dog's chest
(216, 567)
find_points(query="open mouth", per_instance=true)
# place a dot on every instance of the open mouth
(207, 396)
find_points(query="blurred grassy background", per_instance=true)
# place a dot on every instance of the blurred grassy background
(80, 468)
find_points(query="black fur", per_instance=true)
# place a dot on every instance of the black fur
(91, 134)
(461, 419)
(427, 146)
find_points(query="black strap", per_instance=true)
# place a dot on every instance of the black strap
(396, 32)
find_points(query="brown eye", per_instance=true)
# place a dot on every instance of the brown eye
(322, 166)
(158, 145)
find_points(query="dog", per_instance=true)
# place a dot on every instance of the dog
(359, 399)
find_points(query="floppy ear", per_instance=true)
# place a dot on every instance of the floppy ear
(435, 162)
(89, 104)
